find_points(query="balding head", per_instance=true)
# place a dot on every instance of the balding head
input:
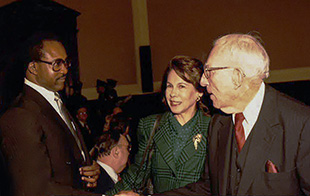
(247, 53)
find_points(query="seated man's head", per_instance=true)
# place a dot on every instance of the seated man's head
(112, 148)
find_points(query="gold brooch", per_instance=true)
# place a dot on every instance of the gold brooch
(196, 140)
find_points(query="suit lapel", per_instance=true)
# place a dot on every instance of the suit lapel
(263, 134)
(48, 111)
(224, 131)
(162, 139)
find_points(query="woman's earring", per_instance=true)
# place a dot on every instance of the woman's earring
(198, 98)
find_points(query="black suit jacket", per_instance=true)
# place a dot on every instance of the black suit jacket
(104, 182)
(41, 153)
(281, 135)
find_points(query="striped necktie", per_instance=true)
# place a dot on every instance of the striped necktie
(66, 117)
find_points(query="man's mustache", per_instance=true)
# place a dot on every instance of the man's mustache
(62, 77)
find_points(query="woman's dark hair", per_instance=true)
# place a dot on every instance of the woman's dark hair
(190, 70)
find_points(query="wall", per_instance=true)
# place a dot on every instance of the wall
(107, 43)
(189, 27)
(105, 40)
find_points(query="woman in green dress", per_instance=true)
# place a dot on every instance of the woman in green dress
(179, 149)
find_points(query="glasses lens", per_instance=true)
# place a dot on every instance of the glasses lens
(58, 63)
(207, 73)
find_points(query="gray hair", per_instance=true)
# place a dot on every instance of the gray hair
(247, 50)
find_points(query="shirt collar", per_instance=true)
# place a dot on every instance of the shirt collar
(47, 94)
(109, 170)
(253, 108)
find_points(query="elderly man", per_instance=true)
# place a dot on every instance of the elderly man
(111, 151)
(43, 147)
(262, 147)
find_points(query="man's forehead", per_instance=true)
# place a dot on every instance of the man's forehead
(82, 109)
(220, 58)
(53, 48)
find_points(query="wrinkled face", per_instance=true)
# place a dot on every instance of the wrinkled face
(220, 83)
(181, 96)
(124, 152)
(45, 76)
(82, 114)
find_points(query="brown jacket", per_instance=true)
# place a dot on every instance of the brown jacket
(41, 153)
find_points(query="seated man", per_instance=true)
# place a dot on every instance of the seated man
(111, 152)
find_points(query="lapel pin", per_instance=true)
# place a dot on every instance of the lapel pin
(196, 140)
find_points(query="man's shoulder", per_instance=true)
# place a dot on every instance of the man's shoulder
(286, 104)
(20, 114)
(23, 108)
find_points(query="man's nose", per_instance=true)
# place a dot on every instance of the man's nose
(204, 81)
(64, 69)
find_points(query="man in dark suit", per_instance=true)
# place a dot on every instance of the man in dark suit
(261, 146)
(88, 131)
(111, 151)
(43, 147)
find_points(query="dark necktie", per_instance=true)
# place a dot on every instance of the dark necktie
(69, 123)
(239, 131)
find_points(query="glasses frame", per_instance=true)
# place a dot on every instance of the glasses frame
(207, 70)
(66, 63)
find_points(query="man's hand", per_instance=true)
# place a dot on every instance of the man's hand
(127, 193)
(90, 174)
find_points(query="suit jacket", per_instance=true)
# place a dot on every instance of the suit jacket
(41, 152)
(281, 135)
(89, 138)
(5, 184)
(166, 173)
(104, 182)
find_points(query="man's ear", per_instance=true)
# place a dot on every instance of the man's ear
(32, 68)
(237, 78)
(115, 152)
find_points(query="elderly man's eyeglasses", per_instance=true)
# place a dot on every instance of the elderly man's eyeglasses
(57, 64)
(207, 72)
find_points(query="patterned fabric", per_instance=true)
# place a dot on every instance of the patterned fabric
(166, 174)
(181, 133)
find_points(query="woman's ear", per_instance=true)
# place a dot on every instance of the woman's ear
(32, 68)
(237, 78)
(199, 95)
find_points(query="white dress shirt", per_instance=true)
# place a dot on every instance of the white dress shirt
(252, 110)
(109, 170)
(47, 94)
